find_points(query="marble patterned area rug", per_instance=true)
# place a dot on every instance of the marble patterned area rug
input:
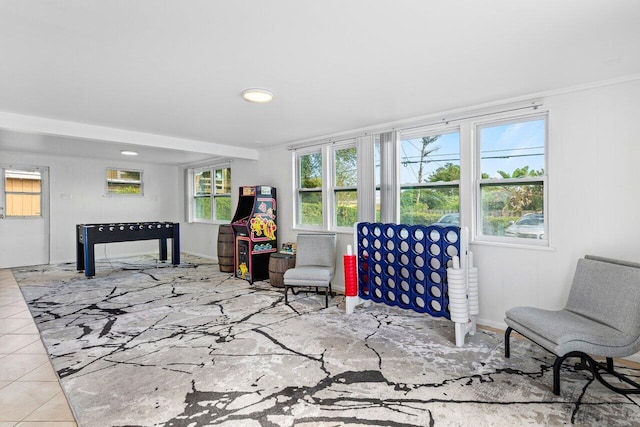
(151, 344)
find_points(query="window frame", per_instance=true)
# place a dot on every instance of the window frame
(429, 131)
(479, 182)
(212, 195)
(215, 195)
(140, 183)
(299, 190)
(6, 214)
(333, 189)
(374, 191)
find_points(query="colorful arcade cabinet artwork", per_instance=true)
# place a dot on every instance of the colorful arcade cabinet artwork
(254, 228)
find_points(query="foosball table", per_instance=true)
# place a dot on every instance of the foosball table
(88, 235)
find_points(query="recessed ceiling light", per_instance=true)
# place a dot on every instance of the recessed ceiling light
(128, 153)
(257, 95)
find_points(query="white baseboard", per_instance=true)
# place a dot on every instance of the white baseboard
(490, 323)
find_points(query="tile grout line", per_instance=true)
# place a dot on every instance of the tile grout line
(4, 277)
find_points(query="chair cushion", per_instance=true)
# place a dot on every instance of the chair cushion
(563, 331)
(309, 275)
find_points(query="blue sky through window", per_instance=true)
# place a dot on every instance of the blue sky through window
(512, 146)
(504, 147)
(446, 149)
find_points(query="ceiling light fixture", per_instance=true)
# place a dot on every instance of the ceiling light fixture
(257, 95)
(128, 153)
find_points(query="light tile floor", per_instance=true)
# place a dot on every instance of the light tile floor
(30, 394)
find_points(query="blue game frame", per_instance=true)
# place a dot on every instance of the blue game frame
(406, 265)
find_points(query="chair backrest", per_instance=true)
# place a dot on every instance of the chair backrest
(608, 291)
(317, 249)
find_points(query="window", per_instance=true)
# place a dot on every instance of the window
(202, 195)
(309, 189)
(430, 178)
(511, 179)
(486, 171)
(124, 182)
(212, 194)
(23, 192)
(345, 190)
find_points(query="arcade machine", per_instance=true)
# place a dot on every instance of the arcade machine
(254, 230)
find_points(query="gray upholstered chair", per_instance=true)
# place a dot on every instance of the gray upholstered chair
(601, 318)
(315, 264)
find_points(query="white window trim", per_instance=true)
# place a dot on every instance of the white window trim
(420, 132)
(29, 170)
(330, 214)
(327, 154)
(297, 214)
(468, 184)
(478, 182)
(191, 193)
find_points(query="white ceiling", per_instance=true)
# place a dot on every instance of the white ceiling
(100, 75)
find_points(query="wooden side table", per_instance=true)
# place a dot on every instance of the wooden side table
(278, 264)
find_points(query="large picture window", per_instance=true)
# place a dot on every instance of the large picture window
(511, 180)
(212, 194)
(430, 178)
(484, 171)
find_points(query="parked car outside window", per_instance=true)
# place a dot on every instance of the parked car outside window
(528, 226)
(448, 220)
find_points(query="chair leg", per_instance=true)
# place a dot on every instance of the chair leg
(507, 347)
(586, 362)
(596, 367)
(556, 365)
(556, 374)
(328, 292)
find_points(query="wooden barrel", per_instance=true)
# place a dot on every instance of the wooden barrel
(225, 248)
(278, 264)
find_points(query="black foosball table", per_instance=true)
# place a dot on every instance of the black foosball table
(88, 235)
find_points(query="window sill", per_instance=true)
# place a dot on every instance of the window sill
(511, 245)
(211, 222)
(323, 230)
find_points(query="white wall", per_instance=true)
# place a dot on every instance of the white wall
(283, 175)
(274, 169)
(201, 238)
(77, 187)
(594, 201)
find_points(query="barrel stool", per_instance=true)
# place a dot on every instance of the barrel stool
(225, 248)
(278, 264)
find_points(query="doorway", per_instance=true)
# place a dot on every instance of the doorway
(24, 216)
